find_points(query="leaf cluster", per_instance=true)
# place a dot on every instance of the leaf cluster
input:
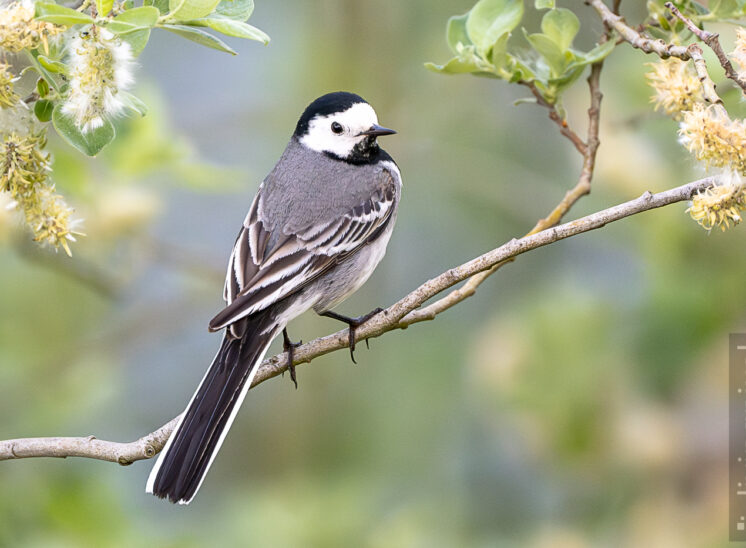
(482, 44)
(133, 25)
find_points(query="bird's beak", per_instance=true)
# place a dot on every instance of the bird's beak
(376, 131)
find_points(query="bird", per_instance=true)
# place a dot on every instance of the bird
(316, 229)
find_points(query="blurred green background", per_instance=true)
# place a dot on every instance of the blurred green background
(580, 399)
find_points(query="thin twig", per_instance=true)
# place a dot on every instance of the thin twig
(554, 115)
(397, 316)
(686, 53)
(587, 149)
(31, 97)
(708, 86)
(712, 39)
(635, 38)
(582, 187)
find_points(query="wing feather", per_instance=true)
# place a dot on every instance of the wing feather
(259, 276)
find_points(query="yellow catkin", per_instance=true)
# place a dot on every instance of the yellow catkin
(713, 138)
(8, 96)
(676, 86)
(19, 30)
(50, 219)
(719, 206)
(100, 70)
(24, 170)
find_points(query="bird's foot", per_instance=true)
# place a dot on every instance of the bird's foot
(353, 323)
(289, 347)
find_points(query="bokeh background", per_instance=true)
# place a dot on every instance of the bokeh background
(580, 399)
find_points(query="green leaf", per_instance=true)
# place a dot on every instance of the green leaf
(499, 51)
(550, 51)
(231, 27)
(42, 87)
(137, 40)
(40, 68)
(456, 32)
(89, 143)
(561, 25)
(454, 66)
(52, 66)
(240, 10)
(563, 81)
(104, 7)
(60, 15)
(543, 4)
(43, 110)
(199, 36)
(723, 8)
(160, 5)
(133, 20)
(186, 10)
(699, 9)
(594, 56)
(488, 20)
(523, 67)
(135, 104)
(658, 33)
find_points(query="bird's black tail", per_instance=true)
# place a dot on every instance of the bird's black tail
(189, 452)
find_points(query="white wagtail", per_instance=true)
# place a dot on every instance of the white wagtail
(316, 229)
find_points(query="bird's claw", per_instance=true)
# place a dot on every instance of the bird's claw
(353, 324)
(289, 347)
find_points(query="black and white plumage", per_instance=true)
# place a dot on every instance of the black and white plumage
(315, 231)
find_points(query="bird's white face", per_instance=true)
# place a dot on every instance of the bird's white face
(338, 133)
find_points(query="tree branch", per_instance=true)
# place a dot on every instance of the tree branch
(397, 316)
(713, 41)
(122, 453)
(635, 38)
(686, 53)
(708, 86)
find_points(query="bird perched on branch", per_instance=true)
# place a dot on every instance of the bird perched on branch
(316, 229)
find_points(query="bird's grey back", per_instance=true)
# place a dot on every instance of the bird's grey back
(307, 187)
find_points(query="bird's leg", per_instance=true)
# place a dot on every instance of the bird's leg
(289, 347)
(354, 323)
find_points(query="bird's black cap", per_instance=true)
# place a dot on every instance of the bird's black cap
(339, 101)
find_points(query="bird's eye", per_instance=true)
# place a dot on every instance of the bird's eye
(337, 128)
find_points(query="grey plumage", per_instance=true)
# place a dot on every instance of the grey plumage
(315, 231)
(297, 193)
(300, 226)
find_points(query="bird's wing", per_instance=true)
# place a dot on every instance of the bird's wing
(259, 276)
